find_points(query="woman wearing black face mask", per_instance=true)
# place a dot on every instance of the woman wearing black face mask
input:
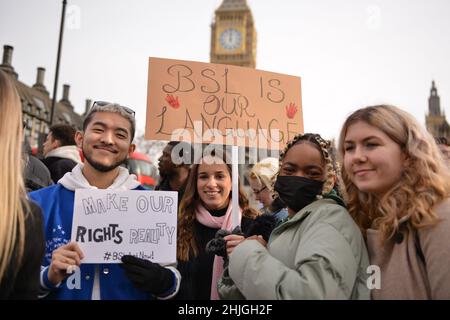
(318, 253)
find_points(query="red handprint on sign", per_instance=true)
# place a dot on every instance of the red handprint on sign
(173, 101)
(291, 110)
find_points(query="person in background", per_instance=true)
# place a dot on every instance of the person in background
(174, 165)
(318, 252)
(205, 208)
(398, 187)
(61, 153)
(106, 142)
(36, 174)
(262, 179)
(21, 224)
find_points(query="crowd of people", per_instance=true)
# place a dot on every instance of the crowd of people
(323, 220)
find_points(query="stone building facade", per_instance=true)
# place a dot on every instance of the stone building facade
(36, 103)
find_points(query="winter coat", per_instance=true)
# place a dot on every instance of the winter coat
(21, 281)
(36, 174)
(414, 264)
(196, 273)
(61, 160)
(319, 253)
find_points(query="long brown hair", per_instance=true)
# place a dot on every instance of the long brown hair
(425, 180)
(12, 191)
(186, 245)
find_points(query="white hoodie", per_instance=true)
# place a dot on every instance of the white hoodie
(76, 180)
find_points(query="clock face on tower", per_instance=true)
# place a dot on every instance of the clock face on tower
(230, 39)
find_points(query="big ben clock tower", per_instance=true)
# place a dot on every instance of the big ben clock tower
(233, 35)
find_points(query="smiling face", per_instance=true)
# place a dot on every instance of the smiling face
(372, 160)
(106, 141)
(214, 183)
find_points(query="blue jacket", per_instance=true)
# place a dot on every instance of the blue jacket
(57, 204)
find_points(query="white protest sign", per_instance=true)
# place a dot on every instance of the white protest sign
(108, 224)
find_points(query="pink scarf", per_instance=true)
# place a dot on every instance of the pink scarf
(223, 222)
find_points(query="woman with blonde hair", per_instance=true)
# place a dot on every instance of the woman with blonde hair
(262, 179)
(397, 189)
(21, 228)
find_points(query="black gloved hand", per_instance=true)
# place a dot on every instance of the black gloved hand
(218, 245)
(262, 225)
(147, 276)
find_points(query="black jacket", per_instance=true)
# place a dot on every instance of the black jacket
(36, 174)
(196, 274)
(21, 280)
(58, 167)
(164, 185)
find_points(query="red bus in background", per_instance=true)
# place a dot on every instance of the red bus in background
(141, 165)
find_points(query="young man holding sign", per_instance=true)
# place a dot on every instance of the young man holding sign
(106, 141)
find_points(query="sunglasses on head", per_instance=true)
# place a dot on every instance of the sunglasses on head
(105, 103)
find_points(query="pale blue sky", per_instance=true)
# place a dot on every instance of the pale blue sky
(349, 53)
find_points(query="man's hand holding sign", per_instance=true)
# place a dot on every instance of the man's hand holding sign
(64, 259)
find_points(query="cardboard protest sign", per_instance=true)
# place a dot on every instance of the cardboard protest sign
(221, 104)
(108, 224)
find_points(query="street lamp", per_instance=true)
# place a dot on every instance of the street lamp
(55, 85)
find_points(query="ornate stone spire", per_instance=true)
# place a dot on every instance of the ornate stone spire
(434, 103)
(233, 5)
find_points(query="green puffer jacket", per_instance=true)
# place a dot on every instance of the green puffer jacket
(317, 254)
